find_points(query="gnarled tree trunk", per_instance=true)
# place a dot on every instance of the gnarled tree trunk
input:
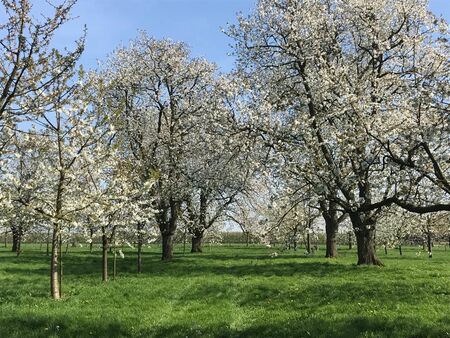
(365, 239)
(330, 215)
(197, 242)
(167, 246)
(167, 220)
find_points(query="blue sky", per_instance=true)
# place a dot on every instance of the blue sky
(197, 22)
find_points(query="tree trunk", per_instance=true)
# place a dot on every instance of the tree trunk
(197, 242)
(308, 243)
(331, 229)
(54, 272)
(365, 240)
(429, 245)
(139, 247)
(350, 243)
(91, 234)
(329, 214)
(167, 247)
(6, 237)
(15, 239)
(385, 249)
(400, 250)
(19, 244)
(184, 241)
(60, 264)
(247, 239)
(104, 255)
(167, 220)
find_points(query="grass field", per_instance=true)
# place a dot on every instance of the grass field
(228, 292)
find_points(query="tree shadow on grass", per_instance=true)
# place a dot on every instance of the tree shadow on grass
(34, 325)
(253, 265)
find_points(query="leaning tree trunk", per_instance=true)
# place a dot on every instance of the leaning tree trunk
(197, 242)
(104, 255)
(365, 240)
(54, 265)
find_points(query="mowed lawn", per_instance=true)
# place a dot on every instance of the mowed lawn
(228, 291)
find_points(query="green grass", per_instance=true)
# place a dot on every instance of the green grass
(228, 292)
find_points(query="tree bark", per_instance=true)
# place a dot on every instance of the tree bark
(429, 245)
(331, 229)
(14, 242)
(54, 266)
(91, 234)
(16, 238)
(167, 220)
(350, 243)
(167, 247)
(365, 239)
(105, 245)
(400, 250)
(308, 242)
(197, 242)
(329, 214)
(60, 265)
(19, 244)
(139, 248)
(429, 239)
